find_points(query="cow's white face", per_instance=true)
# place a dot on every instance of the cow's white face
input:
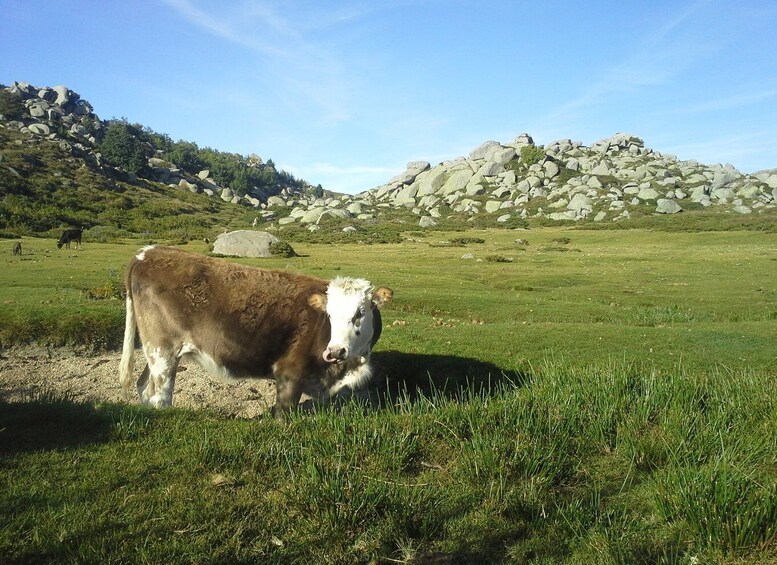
(349, 305)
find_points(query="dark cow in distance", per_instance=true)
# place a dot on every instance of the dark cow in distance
(17, 248)
(308, 334)
(69, 235)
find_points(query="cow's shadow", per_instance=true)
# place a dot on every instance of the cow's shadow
(406, 377)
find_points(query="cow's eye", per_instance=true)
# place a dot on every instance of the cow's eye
(357, 319)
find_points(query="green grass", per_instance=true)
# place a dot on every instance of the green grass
(612, 405)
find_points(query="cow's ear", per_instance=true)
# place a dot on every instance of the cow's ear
(317, 301)
(382, 295)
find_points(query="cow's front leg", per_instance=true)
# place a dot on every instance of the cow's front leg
(287, 394)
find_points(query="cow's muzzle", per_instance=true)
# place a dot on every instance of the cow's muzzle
(335, 354)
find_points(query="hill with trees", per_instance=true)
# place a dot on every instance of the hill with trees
(60, 164)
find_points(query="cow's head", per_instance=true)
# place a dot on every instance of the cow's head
(350, 305)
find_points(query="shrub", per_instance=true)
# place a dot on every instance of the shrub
(122, 149)
(11, 106)
(282, 249)
(532, 154)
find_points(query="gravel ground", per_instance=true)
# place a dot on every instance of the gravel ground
(27, 372)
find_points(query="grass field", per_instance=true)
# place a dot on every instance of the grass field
(591, 397)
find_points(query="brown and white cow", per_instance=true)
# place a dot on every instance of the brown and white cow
(308, 334)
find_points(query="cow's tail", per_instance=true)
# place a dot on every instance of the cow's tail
(127, 364)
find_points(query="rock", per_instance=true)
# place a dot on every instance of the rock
(468, 256)
(666, 206)
(458, 181)
(63, 95)
(482, 150)
(568, 215)
(273, 201)
(427, 222)
(431, 181)
(580, 203)
(523, 139)
(551, 169)
(244, 243)
(39, 129)
(647, 194)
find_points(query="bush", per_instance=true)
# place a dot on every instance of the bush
(282, 249)
(11, 106)
(532, 154)
(122, 148)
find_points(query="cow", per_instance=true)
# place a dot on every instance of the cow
(17, 248)
(308, 334)
(69, 235)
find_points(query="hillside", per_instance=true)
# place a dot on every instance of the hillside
(61, 164)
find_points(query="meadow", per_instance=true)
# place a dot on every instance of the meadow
(588, 397)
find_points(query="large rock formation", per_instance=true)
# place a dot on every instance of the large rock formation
(565, 181)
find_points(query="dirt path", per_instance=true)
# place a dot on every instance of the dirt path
(27, 372)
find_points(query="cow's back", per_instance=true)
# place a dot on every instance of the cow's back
(244, 318)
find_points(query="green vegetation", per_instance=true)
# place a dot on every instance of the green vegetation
(122, 148)
(11, 106)
(52, 190)
(531, 154)
(128, 147)
(613, 405)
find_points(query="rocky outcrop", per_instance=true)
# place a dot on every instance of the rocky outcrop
(566, 181)
(61, 116)
(572, 182)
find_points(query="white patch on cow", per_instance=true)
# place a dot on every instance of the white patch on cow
(142, 254)
(158, 391)
(349, 307)
(354, 379)
(189, 351)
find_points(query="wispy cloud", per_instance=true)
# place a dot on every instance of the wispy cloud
(654, 61)
(731, 102)
(307, 73)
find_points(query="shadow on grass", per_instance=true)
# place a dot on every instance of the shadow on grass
(410, 375)
(51, 423)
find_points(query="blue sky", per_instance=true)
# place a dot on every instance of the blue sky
(346, 93)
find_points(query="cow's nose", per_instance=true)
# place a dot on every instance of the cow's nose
(335, 353)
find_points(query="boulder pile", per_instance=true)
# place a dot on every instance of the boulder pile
(564, 181)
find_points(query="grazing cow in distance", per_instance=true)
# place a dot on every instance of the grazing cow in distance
(69, 235)
(308, 334)
(17, 248)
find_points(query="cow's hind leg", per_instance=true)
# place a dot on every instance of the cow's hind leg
(157, 381)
